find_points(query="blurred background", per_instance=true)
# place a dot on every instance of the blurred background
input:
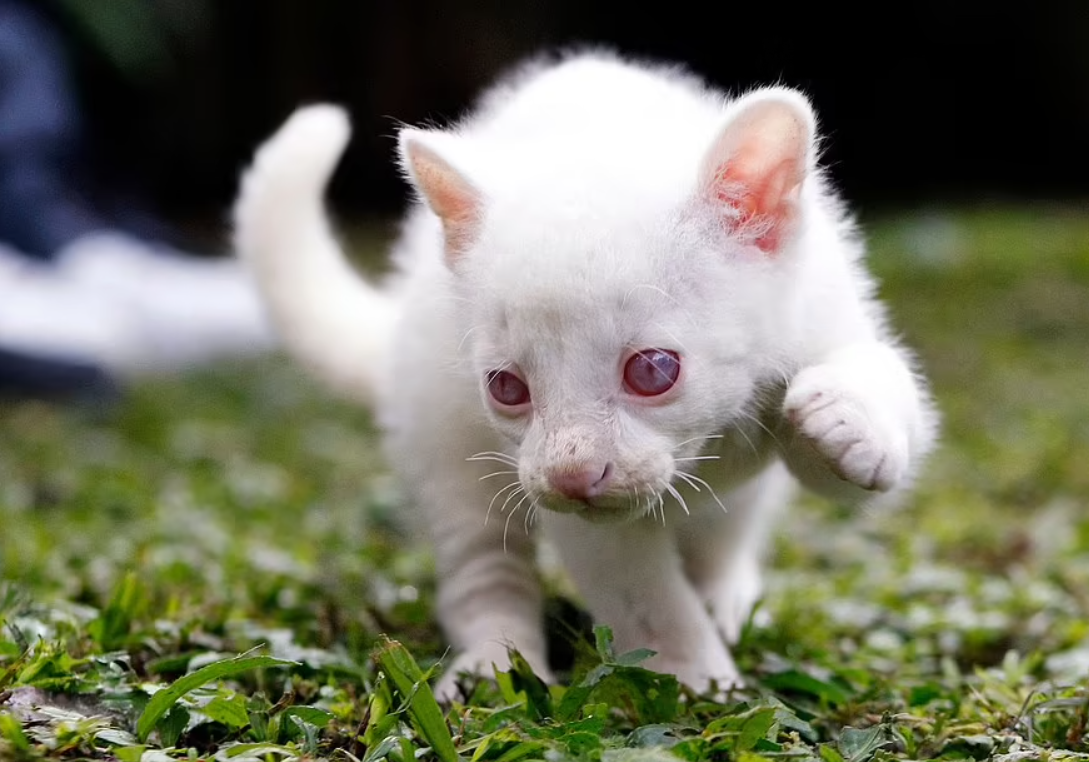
(124, 125)
(924, 103)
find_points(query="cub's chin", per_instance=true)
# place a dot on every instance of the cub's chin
(606, 509)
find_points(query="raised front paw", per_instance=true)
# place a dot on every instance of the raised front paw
(851, 423)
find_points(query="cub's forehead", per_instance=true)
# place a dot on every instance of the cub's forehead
(543, 321)
(554, 273)
(558, 259)
(562, 299)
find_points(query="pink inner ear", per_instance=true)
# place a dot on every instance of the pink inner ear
(450, 196)
(764, 201)
(759, 165)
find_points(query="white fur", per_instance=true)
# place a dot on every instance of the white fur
(334, 322)
(590, 234)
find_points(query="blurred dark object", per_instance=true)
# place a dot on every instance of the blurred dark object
(47, 197)
(91, 282)
(28, 376)
(923, 102)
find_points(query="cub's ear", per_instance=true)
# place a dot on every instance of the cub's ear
(754, 170)
(449, 193)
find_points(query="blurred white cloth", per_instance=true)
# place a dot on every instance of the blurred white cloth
(130, 307)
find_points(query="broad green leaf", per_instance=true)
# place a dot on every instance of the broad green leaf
(172, 725)
(116, 737)
(129, 753)
(654, 735)
(505, 681)
(319, 718)
(581, 744)
(755, 728)
(259, 720)
(575, 697)
(603, 639)
(788, 720)
(231, 711)
(309, 732)
(652, 697)
(46, 668)
(634, 658)
(521, 750)
(260, 750)
(381, 749)
(860, 745)
(161, 702)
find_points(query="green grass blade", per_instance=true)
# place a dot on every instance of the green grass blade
(162, 701)
(112, 626)
(12, 732)
(411, 683)
(538, 701)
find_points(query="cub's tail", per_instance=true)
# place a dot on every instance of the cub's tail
(333, 322)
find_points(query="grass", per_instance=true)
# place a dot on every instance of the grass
(207, 570)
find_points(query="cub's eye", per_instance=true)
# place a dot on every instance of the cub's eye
(507, 389)
(651, 372)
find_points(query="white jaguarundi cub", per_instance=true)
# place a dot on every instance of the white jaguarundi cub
(628, 313)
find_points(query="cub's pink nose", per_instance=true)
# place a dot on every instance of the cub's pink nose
(581, 482)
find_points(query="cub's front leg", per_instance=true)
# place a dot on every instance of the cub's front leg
(632, 579)
(489, 595)
(859, 422)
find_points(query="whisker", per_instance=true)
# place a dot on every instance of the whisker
(697, 439)
(696, 457)
(746, 437)
(503, 508)
(651, 287)
(495, 473)
(655, 505)
(496, 495)
(506, 525)
(678, 497)
(670, 334)
(466, 336)
(500, 457)
(693, 477)
(750, 417)
(531, 513)
(689, 479)
(648, 503)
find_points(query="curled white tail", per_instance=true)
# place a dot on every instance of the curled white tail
(333, 322)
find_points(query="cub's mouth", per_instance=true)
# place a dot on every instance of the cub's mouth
(601, 509)
(655, 500)
(596, 491)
